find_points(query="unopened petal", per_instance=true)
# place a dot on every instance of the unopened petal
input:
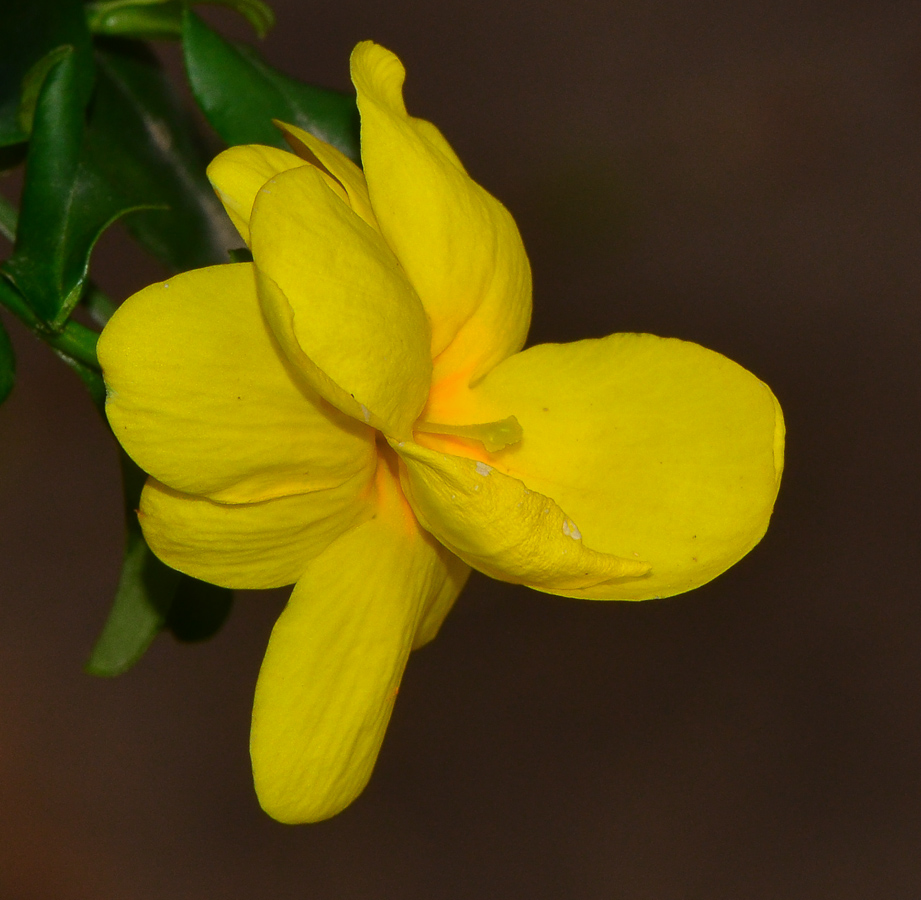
(660, 449)
(249, 545)
(201, 397)
(459, 246)
(336, 163)
(497, 525)
(328, 280)
(335, 659)
(237, 174)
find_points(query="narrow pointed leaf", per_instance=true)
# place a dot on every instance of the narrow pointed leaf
(240, 94)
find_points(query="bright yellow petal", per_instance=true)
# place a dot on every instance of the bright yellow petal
(459, 246)
(248, 545)
(238, 173)
(347, 301)
(201, 397)
(441, 601)
(660, 449)
(336, 163)
(334, 662)
(495, 524)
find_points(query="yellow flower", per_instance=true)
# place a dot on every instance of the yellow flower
(351, 414)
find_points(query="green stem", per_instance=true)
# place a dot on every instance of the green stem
(75, 340)
(78, 342)
(97, 303)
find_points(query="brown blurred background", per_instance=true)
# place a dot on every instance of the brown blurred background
(745, 175)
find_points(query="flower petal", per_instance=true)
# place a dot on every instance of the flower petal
(201, 397)
(336, 163)
(248, 545)
(660, 449)
(495, 524)
(334, 662)
(440, 601)
(237, 174)
(328, 280)
(459, 246)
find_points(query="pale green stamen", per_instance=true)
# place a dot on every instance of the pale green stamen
(492, 435)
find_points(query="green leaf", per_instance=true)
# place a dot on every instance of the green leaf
(142, 600)
(32, 84)
(240, 94)
(29, 30)
(151, 596)
(129, 18)
(7, 364)
(144, 595)
(199, 610)
(152, 19)
(143, 142)
(65, 204)
(137, 152)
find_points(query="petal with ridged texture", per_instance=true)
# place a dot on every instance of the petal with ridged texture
(660, 449)
(328, 281)
(201, 397)
(496, 524)
(459, 246)
(335, 659)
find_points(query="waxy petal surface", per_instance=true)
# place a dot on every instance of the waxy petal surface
(660, 449)
(249, 545)
(495, 524)
(238, 173)
(334, 662)
(459, 246)
(344, 298)
(201, 397)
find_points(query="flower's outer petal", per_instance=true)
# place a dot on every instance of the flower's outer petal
(660, 449)
(237, 174)
(495, 524)
(248, 545)
(201, 397)
(459, 246)
(344, 298)
(336, 163)
(441, 601)
(334, 662)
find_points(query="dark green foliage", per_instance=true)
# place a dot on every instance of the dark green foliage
(240, 94)
(28, 31)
